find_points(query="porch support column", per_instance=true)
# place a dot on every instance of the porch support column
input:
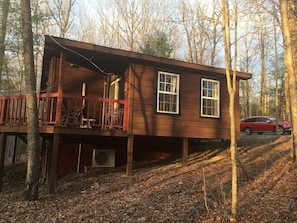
(3, 138)
(53, 163)
(49, 159)
(60, 88)
(130, 143)
(185, 151)
(14, 148)
(44, 159)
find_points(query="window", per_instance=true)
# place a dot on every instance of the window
(168, 93)
(210, 98)
(251, 120)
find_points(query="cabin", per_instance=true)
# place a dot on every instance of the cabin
(103, 107)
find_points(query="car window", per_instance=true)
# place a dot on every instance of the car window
(263, 119)
(251, 120)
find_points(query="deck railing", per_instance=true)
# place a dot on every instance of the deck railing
(68, 111)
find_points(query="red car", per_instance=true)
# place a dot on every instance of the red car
(262, 124)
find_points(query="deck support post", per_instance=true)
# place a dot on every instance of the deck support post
(3, 138)
(130, 143)
(14, 148)
(185, 151)
(44, 159)
(53, 163)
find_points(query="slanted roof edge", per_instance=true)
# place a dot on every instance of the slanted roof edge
(139, 56)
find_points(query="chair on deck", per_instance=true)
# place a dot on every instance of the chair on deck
(72, 117)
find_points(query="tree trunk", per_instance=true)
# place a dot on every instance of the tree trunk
(287, 95)
(231, 83)
(4, 15)
(263, 75)
(33, 150)
(289, 28)
(276, 103)
(293, 76)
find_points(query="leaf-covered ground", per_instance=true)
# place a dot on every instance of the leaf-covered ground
(163, 191)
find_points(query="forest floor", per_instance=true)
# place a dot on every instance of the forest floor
(163, 191)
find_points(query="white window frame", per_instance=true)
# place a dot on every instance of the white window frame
(168, 88)
(210, 93)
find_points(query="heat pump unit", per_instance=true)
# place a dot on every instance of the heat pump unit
(103, 158)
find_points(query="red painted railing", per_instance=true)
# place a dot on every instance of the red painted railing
(76, 111)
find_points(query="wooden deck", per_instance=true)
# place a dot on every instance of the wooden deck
(70, 113)
(68, 118)
(15, 130)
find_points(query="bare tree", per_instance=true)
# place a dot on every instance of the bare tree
(85, 21)
(247, 64)
(289, 28)
(260, 15)
(4, 15)
(281, 107)
(62, 13)
(39, 26)
(276, 76)
(215, 37)
(124, 23)
(231, 84)
(14, 65)
(33, 150)
(201, 31)
(262, 47)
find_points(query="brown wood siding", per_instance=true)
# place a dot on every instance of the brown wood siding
(75, 76)
(52, 82)
(188, 123)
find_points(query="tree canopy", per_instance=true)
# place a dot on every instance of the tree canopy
(157, 44)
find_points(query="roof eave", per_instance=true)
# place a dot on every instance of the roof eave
(134, 56)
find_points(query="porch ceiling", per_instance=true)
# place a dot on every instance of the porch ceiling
(84, 56)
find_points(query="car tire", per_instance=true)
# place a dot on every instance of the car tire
(248, 131)
(260, 133)
(280, 130)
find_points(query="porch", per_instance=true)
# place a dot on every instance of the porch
(68, 111)
(63, 119)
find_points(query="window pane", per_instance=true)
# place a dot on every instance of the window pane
(168, 92)
(210, 98)
(168, 87)
(209, 85)
(204, 92)
(209, 93)
(161, 86)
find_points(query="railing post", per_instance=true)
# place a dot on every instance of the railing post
(125, 121)
(2, 105)
(60, 89)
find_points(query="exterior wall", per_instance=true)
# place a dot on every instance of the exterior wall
(144, 120)
(68, 158)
